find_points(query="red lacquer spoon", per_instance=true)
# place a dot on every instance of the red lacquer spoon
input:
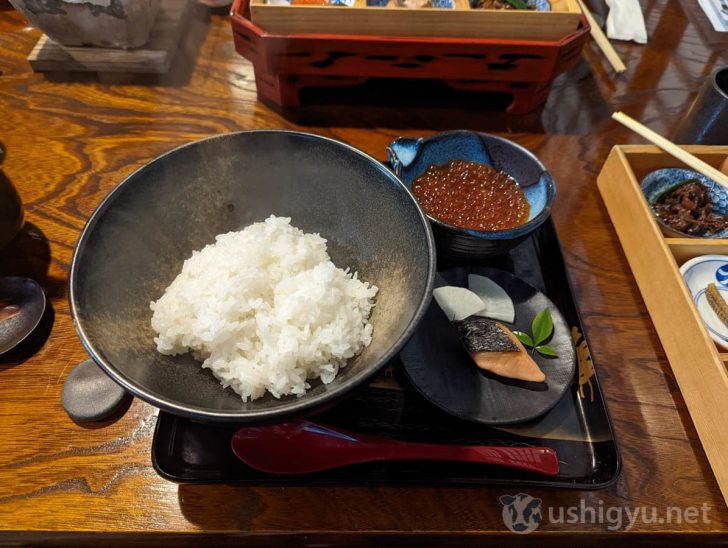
(304, 447)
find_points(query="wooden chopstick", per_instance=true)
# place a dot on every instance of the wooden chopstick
(671, 148)
(602, 41)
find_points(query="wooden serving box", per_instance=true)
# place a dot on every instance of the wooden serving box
(460, 21)
(698, 365)
(286, 63)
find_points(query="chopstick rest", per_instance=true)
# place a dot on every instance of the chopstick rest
(90, 395)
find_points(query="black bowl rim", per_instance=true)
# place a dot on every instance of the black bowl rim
(291, 405)
(508, 233)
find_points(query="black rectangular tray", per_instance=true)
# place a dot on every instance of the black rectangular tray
(578, 428)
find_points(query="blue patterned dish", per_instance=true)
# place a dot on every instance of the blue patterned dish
(540, 5)
(657, 183)
(698, 273)
(411, 157)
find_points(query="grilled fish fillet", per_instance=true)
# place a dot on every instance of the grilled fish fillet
(494, 348)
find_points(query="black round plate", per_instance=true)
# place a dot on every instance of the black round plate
(443, 372)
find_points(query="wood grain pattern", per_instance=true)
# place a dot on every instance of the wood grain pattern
(684, 249)
(71, 140)
(694, 357)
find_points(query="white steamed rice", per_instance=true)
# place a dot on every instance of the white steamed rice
(265, 309)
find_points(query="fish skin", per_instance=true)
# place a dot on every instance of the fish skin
(484, 335)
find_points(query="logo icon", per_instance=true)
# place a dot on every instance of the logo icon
(722, 275)
(521, 513)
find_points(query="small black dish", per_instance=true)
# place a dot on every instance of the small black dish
(442, 371)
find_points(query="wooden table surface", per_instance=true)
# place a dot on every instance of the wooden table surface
(71, 139)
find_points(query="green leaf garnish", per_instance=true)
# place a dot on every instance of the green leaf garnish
(542, 326)
(547, 351)
(524, 338)
(518, 4)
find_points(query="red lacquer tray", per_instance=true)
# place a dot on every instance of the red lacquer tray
(284, 64)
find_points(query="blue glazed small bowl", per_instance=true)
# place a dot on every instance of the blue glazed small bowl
(656, 183)
(411, 157)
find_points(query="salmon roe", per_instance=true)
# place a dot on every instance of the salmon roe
(471, 195)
